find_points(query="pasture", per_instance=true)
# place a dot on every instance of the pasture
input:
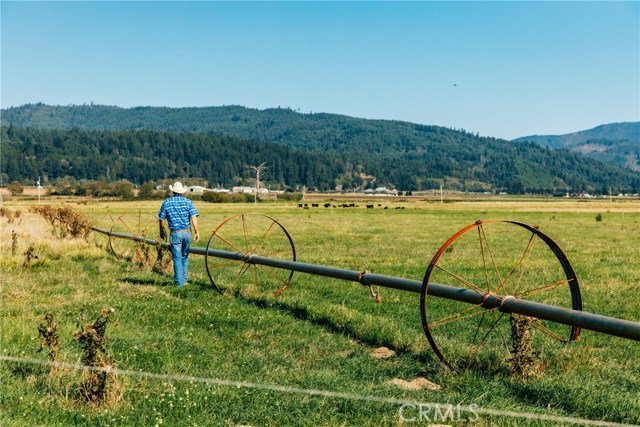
(193, 357)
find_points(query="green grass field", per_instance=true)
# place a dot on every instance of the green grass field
(306, 358)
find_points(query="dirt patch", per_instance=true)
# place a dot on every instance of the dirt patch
(382, 353)
(345, 353)
(416, 384)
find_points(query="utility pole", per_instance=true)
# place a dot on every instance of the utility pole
(258, 170)
(610, 197)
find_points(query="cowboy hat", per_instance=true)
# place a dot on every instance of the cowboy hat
(177, 187)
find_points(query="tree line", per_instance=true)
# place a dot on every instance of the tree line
(457, 160)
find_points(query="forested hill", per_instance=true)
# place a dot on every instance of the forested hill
(315, 150)
(141, 156)
(617, 143)
(319, 132)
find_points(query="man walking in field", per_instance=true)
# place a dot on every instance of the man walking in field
(179, 213)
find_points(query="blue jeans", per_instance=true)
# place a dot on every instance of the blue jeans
(180, 243)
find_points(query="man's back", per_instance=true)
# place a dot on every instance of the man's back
(177, 210)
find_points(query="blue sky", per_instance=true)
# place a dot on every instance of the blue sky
(503, 69)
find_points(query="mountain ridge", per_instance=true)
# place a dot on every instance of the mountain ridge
(616, 143)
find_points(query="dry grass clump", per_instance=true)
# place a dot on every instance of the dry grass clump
(142, 256)
(66, 222)
(524, 360)
(14, 243)
(148, 258)
(96, 387)
(49, 339)
(163, 263)
(10, 215)
(29, 256)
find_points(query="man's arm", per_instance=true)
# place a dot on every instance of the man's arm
(196, 234)
(162, 215)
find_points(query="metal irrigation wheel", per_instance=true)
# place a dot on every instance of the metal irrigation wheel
(497, 258)
(250, 234)
(145, 225)
(121, 248)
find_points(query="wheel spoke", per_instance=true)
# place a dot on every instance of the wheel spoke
(539, 326)
(504, 338)
(246, 234)
(271, 272)
(484, 260)
(457, 316)
(125, 224)
(224, 264)
(477, 348)
(460, 279)
(534, 291)
(260, 244)
(523, 258)
(473, 341)
(493, 261)
(243, 269)
(228, 243)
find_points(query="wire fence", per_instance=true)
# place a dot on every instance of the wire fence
(476, 410)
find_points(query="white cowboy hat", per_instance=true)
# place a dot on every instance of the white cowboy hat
(177, 187)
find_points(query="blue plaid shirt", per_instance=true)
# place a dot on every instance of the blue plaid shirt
(177, 210)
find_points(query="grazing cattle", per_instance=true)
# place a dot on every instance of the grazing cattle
(326, 205)
(299, 205)
(314, 205)
(370, 206)
(386, 207)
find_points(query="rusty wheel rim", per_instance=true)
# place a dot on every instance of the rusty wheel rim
(250, 234)
(498, 257)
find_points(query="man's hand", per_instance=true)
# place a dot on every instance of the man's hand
(163, 232)
(196, 236)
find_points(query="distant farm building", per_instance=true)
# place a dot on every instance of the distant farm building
(250, 190)
(381, 191)
(197, 189)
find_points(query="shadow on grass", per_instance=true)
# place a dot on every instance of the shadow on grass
(427, 358)
(167, 282)
(146, 282)
(542, 395)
